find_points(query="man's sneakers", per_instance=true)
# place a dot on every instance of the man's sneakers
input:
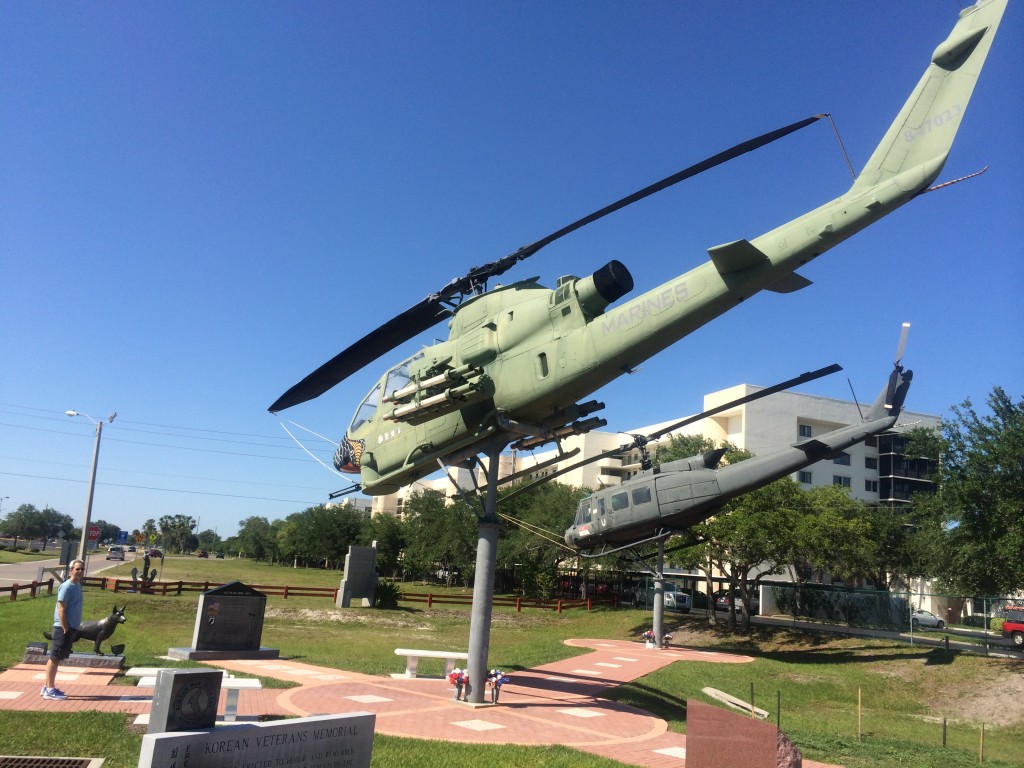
(53, 693)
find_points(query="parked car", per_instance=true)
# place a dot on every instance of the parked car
(220, 555)
(155, 553)
(1013, 624)
(131, 549)
(115, 552)
(922, 618)
(640, 594)
(203, 553)
(723, 600)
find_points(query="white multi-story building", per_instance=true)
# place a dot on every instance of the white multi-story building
(874, 471)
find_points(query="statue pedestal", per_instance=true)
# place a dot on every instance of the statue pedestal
(36, 653)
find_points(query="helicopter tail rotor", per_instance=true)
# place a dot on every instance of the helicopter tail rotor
(890, 399)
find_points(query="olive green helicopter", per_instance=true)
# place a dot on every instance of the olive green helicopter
(521, 360)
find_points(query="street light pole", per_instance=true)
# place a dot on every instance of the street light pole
(92, 478)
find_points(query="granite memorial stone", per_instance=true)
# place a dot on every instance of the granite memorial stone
(323, 741)
(360, 579)
(185, 700)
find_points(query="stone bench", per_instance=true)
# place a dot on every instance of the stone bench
(412, 659)
(147, 679)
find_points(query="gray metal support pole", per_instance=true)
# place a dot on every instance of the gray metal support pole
(92, 488)
(659, 595)
(483, 586)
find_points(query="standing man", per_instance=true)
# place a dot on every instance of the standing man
(67, 618)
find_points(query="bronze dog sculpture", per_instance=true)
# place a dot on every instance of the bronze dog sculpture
(98, 631)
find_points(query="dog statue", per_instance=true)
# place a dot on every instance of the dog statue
(98, 631)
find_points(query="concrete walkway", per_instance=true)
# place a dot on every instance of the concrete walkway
(553, 704)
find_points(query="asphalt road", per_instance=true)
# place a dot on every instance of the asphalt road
(24, 573)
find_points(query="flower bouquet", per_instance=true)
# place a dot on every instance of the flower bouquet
(460, 679)
(495, 679)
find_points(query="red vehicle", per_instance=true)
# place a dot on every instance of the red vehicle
(1013, 624)
(203, 553)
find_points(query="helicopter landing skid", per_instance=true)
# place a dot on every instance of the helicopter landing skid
(658, 537)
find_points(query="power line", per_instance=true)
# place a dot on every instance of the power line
(156, 474)
(165, 490)
(110, 439)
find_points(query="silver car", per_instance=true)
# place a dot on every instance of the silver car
(921, 618)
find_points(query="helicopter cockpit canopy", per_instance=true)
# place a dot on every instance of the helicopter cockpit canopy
(394, 380)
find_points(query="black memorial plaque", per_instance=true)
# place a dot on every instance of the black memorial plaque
(230, 618)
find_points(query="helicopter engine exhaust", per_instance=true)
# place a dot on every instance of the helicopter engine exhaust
(610, 282)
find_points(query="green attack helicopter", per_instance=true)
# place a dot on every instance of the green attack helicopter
(521, 359)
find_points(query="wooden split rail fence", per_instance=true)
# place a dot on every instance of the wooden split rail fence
(164, 588)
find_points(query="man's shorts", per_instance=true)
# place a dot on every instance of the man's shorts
(62, 643)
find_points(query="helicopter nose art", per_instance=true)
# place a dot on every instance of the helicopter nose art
(346, 458)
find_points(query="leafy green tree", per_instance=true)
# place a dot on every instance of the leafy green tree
(209, 540)
(981, 497)
(256, 538)
(149, 529)
(441, 539)
(531, 545)
(831, 536)
(22, 523)
(320, 534)
(108, 531)
(176, 532)
(748, 540)
(685, 446)
(390, 534)
(906, 546)
(52, 524)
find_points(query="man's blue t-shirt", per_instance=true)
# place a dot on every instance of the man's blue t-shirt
(71, 595)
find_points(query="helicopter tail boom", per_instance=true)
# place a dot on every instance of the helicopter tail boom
(925, 127)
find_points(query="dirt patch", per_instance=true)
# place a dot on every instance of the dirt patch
(390, 619)
(995, 697)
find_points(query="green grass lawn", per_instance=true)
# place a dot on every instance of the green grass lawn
(903, 688)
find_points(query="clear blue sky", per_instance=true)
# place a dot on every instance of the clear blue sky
(202, 202)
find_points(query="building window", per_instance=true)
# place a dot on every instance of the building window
(841, 480)
(870, 462)
(805, 478)
(871, 442)
(871, 486)
(842, 458)
(805, 430)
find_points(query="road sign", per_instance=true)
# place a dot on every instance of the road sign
(94, 534)
(122, 537)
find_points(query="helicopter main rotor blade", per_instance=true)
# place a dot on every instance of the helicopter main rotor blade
(803, 378)
(395, 331)
(432, 309)
(796, 381)
(668, 181)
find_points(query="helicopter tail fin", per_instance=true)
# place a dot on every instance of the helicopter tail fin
(923, 132)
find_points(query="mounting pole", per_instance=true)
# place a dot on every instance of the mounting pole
(659, 595)
(483, 585)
